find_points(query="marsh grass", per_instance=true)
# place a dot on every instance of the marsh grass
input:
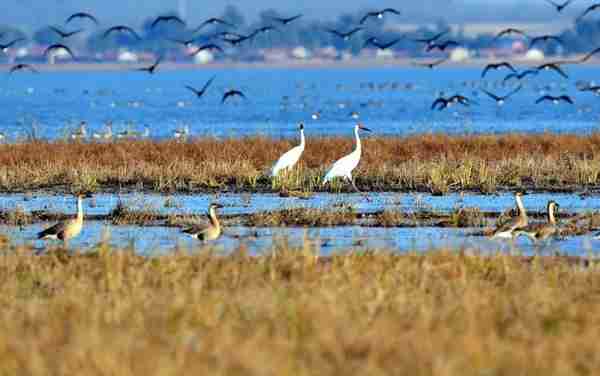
(427, 163)
(290, 312)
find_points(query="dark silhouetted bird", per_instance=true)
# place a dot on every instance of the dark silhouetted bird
(231, 94)
(207, 47)
(346, 35)
(442, 46)
(286, 21)
(82, 15)
(432, 64)
(553, 66)
(378, 14)
(373, 41)
(161, 19)
(200, 93)
(59, 47)
(589, 9)
(121, 29)
(555, 100)
(431, 41)
(545, 39)
(152, 68)
(213, 21)
(4, 47)
(501, 99)
(64, 34)
(497, 66)
(560, 7)
(22, 67)
(521, 75)
(510, 31)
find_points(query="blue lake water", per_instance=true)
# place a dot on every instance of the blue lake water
(391, 100)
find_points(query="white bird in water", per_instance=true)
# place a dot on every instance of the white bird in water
(106, 135)
(80, 133)
(181, 133)
(291, 157)
(343, 167)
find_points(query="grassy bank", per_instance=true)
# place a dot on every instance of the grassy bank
(290, 313)
(431, 163)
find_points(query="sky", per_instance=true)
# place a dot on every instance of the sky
(30, 14)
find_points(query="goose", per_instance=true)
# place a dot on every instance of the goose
(379, 14)
(210, 232)
(82, 15)
(508, 230)
(291, 157)
(65, 230)
(343, 167)
(431, 41)
(543, 231)
(288, 20)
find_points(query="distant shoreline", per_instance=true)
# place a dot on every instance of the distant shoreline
(319, 64)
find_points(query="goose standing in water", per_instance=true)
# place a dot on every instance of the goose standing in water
(65, 230)
(343, 167)
(291, 157)
(510, 228)
(210, 232)
(543, 231)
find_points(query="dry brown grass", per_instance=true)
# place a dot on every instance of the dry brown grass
(114, 313)
(434, 163)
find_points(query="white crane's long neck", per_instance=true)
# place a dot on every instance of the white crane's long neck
(358, 148)
(302, 139)
(212, 215)
(521, 207)
(551, 217)
(79, 209)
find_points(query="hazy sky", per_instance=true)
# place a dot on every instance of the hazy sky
(35, 13)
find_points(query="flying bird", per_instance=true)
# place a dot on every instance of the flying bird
(186, 43)
(378, 14)
(346, 35)
(232, 93)
(264, 29)
(152, 68)
(213, 21)
(459, 99)
(430, 41)
(497, 66)
(589, 55)
(200, 93)
(59, 46)
(440, 104)
(560, 7)
(121, 29)
(442, 46)
(64, 34)
(553, 66)
(161, 19)
(432, 64)
(208, 47)
(589, 9)
(82, 15)
(373, 41)
(555, 100)
(545, 39)
(501, 99)
(590, 88)
(22, 67)
(286, 21)
(4, 47)
(522, 75)
(509, 31)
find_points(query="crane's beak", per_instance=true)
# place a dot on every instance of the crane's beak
(365, 128)
(218, 206)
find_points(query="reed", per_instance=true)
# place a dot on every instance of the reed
(291, 312)
(428, 163)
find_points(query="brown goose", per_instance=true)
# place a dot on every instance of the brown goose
(68, 229)
(542, 231)
(210, 232)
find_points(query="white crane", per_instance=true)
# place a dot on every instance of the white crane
(344, 166)
(291, 157)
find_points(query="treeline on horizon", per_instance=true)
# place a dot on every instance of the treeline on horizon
(309, 33)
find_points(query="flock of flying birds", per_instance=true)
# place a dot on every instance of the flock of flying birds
(234, 38)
